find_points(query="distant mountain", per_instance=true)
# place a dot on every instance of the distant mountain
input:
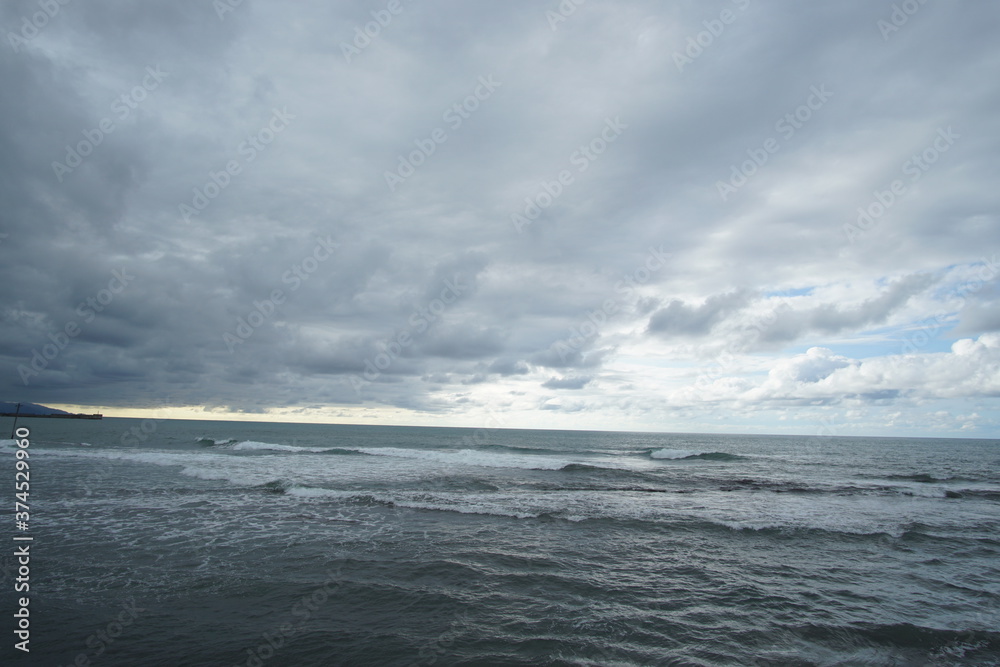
(30, 409)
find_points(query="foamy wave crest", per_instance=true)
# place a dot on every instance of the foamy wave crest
(673, 453)
(301, 491)
(309, 492)
(241, 471)
(214, 442)
(473, 457)
(467, 508)
(252, 445)
(462, 503)
(868, 528)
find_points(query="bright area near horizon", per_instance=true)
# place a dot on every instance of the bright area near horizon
(399, 418)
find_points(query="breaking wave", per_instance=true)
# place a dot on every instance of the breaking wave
(689, 454)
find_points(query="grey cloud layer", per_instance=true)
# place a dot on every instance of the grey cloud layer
(270, 192)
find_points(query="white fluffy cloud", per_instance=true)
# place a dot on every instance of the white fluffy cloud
(970, 369)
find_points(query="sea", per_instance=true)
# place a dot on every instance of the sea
(189, 543)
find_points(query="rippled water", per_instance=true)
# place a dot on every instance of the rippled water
(228, 543)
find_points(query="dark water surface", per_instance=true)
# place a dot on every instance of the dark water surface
(224, 543)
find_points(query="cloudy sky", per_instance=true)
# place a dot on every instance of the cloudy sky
(723, 216)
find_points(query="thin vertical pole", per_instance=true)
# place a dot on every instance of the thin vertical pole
(14, 429)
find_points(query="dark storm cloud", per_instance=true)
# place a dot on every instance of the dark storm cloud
(508, 367)
(567, 383)
(678, 319)
(830, 318)
(560, 355)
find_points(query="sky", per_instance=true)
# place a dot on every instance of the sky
(722, 216)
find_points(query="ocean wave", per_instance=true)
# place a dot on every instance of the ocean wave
(778, 486)
(468, 508)
(254, 446)
(275, 486)
(925, 478)
(476, 458)
(581, 467)
(488, 457)
(921, 477)
(939, 646)
(214, 442)
(524, 450)
(310, 492)
(989, 494)
(234, 444)
(687, 454)
(881, 490)
(487, 504)
(929, 477)
(457, 502)
(612, 495)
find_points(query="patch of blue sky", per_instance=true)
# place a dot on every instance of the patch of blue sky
(932, 334)
(798, 291)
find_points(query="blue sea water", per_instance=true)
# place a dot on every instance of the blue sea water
(232, 543)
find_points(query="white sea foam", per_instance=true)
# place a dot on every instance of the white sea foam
(251, 445)
(238, 470)
(215, 441)
(237, 477)
(313, 492)
(872, 508)
(853, 515)
(466, 508)
(674, 453)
